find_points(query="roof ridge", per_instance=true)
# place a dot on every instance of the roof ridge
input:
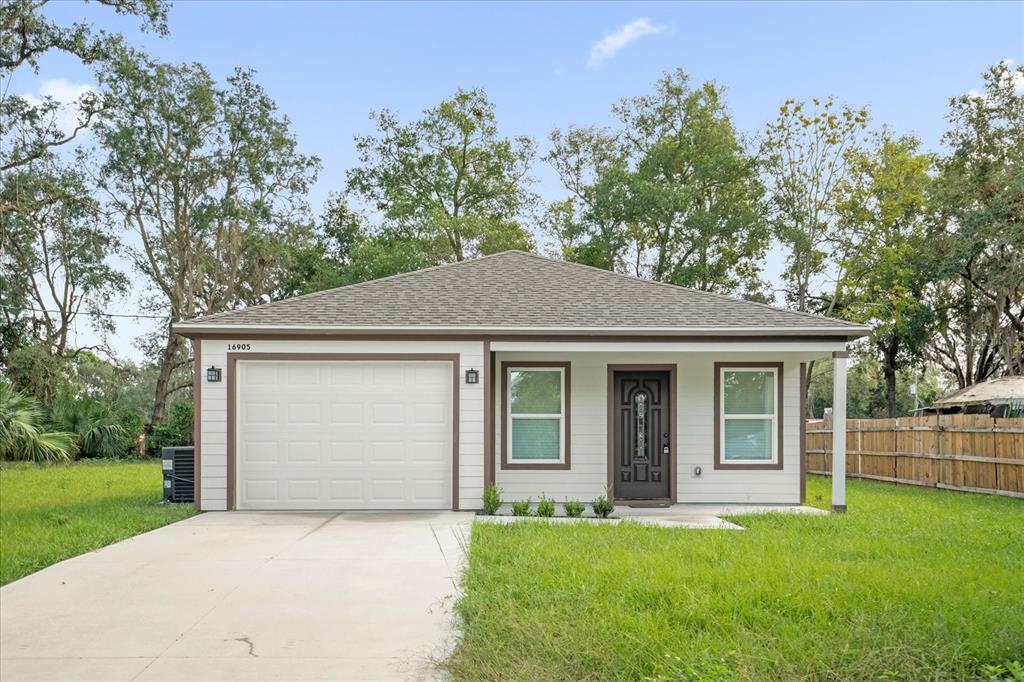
(727, 297)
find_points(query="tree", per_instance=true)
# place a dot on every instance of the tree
(28, 131)
(211, 181)
(978, 229)
(882, 204)
(804, 154)
(22, 433)
(447, 182)
(864, 400)
(671, 195)
(55, 256)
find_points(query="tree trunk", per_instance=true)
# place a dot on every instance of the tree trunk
(889, 368)
(163, 381)
(807, 389)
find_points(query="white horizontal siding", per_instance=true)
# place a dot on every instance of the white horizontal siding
(213, 436)
(694, 405)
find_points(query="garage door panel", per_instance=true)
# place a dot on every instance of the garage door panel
(389, 375)
(259, 414)
(303, 452)
(346, 414)
(260, 490)
(259, 452)
(355, 435)
(261, 374)
(303, 374)
(347, 375)
(345, 490)
(347, 452)
(424, 453)
(387, 414)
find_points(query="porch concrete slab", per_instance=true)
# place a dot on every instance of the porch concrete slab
(357, 595)
(701, 516)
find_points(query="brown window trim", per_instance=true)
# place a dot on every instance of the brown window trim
(719, 463)
(566, 418)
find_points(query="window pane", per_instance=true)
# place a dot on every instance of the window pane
(536, 392)
(749, 392)
(748, 439)
(536, 438)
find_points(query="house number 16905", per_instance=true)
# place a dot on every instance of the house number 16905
(239, 346)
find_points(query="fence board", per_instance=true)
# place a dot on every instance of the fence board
(970, 452)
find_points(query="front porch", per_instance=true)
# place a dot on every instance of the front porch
(698, 452)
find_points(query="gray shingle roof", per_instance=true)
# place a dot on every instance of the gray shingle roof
(520, 291)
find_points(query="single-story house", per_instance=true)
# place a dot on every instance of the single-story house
(999, 397)
(544, 377)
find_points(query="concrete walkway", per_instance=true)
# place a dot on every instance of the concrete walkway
(701, 516)
(255, 596)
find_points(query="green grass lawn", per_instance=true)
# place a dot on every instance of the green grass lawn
(911, 584)
(51, 513)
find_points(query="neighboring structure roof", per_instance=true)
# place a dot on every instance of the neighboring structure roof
(516, 292)
(995, 391)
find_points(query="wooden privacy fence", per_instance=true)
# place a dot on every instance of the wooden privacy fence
(969, 452)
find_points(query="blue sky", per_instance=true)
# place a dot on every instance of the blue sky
(328, 64)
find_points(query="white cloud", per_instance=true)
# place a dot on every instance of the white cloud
(1015, 77)
(67, 94)
(609, 46)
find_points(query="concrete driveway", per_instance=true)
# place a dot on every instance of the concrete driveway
(268, 595)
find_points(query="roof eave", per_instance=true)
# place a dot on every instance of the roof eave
(190, 330)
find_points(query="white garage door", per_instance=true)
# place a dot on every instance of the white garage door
(344, 435)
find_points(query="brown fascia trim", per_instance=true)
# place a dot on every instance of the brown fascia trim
(803, 432)
(233, 359)
(197, 423)
(566, 418)
(840, 354)
(719, 464)
(327, 335)
(673, 419)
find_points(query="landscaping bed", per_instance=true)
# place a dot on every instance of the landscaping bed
(52, 513)
(910, 584)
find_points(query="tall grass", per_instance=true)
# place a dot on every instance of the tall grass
(51, 513)
(911, 584)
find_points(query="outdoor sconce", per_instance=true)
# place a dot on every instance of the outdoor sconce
(472, 376)
(213, 374)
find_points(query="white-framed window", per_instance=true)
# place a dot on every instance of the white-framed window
(536, 415)
(748, 418)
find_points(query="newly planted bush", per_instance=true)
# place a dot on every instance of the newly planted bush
(546, 507)
(492, 499)
(521, 507)
(574, 508)
(602, 506)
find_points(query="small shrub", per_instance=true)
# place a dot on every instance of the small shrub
(546, 507)
(521, 507)
(574, 508)
(492, 500)
(603, 506)
(175, 429)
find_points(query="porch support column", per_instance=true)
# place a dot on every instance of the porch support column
(839, 431)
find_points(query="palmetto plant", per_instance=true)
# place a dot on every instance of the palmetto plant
(22, 435)
(93, 426)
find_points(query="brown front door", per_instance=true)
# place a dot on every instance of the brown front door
(641, 431)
